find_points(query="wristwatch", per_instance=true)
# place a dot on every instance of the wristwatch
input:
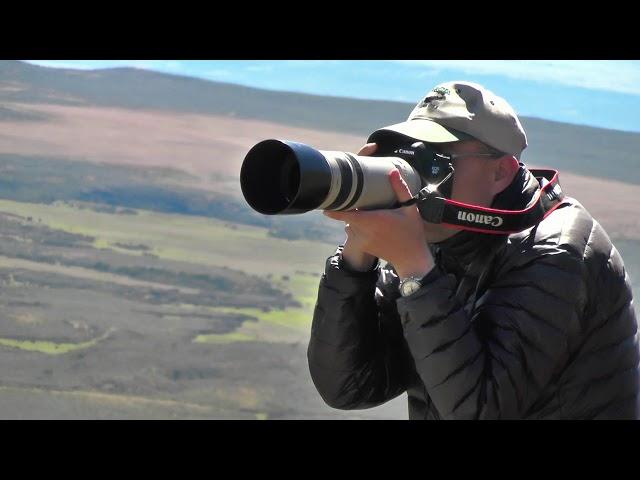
(410, 285)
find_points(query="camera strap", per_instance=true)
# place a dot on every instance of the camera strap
(434, 208)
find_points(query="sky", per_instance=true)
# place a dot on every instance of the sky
(600, 93)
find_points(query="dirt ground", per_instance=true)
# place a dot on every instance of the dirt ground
(199, 144)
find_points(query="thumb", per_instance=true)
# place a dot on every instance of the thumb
(399, 186)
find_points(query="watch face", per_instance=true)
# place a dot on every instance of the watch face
(408, 287)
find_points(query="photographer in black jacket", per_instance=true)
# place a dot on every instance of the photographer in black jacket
(537, 324)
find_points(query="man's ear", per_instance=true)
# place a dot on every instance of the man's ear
(504, 173)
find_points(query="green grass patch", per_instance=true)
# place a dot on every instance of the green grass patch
(303, 288)
(50, 348)
(291, 317)
(224, 338)
(291, 324)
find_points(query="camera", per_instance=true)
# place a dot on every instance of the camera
(280, 177)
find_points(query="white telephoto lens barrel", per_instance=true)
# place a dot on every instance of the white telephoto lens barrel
(363, 182)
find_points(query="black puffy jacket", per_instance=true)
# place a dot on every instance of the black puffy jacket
(536, 325)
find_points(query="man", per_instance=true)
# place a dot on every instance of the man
(537, 324)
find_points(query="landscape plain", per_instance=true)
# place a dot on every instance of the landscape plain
(136, 283)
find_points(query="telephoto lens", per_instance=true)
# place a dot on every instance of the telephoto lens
(280, 177)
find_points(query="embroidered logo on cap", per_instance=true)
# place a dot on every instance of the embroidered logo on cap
(440, 94)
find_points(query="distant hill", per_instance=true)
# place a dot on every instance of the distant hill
(584, 150)
(141, 89)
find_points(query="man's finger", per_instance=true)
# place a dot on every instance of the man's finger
(399, 186)
(349, 230)
(352, 216)
(368, 149)
(342, 216)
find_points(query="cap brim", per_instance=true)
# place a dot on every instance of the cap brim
(426, 131)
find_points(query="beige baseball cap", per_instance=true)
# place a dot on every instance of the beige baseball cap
(455, 111)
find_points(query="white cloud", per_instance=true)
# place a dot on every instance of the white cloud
(62, 64)
(622, 76)
(310, 63)
(213, 74)
(173, 65)
(98, 64)
(159, 65)
(259, 68)
(429, 72)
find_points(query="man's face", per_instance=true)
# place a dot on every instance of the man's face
(473, 182)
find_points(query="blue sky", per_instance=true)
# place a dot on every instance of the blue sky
(602, 93)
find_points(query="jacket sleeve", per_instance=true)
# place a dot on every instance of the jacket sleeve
(357, 355)
(494, 361)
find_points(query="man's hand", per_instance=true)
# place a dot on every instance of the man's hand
(394, 235)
